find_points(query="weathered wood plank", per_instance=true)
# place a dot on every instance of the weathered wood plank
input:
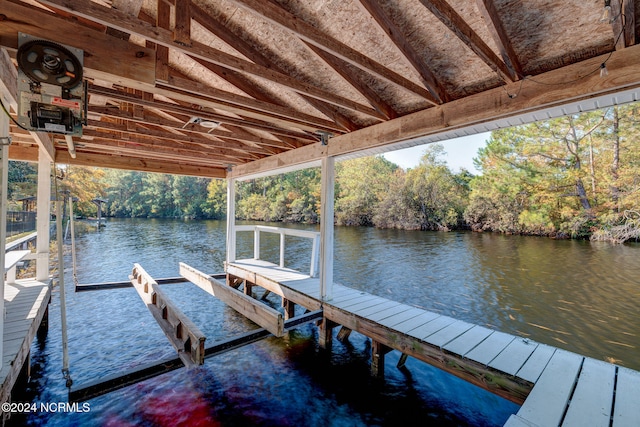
(183, 334)
(593, 397)
(490, 347)
(256, 311)
(415, 322)
(536, 363)
(449, 333)
(467, 341)
(548, 399)
(432, 327)
(513, 357)
(627, 410)
(391, 311)
(386, 304)
(400, 317)
(516, 421)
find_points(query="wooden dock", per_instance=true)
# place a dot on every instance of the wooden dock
(25, 303)
(555, 387)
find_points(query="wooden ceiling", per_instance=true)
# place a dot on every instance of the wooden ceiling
(279, 74)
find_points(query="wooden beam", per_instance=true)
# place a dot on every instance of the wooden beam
(137, 164)
(105, 57)
(372, 96)
(182, 30)
(277, 15)
(623, 23)
(256, 311)
(161, 36)
(449, 17)
(44, 140)
(183, 334)
(201, 112)
(573, 83)
(163, 20)
(494, 24)
(215, 26)
(397, 36)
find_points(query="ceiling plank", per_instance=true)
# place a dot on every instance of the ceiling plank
(397, 36)
(572, 83)
(448, 16)
(279, 16)
(157, 35)
(494, 24)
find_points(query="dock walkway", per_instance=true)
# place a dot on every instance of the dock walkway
(25, 303)
(555, 387)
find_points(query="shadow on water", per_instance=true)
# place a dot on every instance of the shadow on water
(575, 295)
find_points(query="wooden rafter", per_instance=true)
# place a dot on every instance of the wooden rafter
(494, 24)
(217, 27)
(623, 23)
(182, 31)
(310, 34)
(161, 36)
(396, 34)
(339, 66)
(448, 16)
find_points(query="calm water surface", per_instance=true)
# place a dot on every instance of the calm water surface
(579, 296)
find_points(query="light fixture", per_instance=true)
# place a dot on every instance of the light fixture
(209, 124)
(604, 72)
(606, 13)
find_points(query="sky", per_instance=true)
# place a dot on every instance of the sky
(460, 153)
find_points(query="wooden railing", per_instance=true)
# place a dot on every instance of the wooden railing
(257, 229)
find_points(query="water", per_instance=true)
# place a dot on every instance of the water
(579, 296)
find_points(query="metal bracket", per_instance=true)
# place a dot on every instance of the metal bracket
(5, 141)
(324, 137)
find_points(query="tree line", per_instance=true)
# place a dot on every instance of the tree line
(577, 176)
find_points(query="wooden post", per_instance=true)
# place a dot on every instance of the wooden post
(378, 351)
(4, 165)
(43, 215)
(325, 331)
(326, 228)
(289, 308)
(231, 220)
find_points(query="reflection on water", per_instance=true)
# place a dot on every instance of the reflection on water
(575, 295)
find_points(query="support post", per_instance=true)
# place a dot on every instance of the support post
(325, 331)
(4, 165)
(289, 308)
(43, 215)
(231, 220)
(326, 228)
(378, 351)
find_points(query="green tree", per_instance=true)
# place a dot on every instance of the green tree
(432, 192)
(361, 185)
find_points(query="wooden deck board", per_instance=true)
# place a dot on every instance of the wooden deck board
(25, 304)
(514, 356)
(548, 399)
(626, 411)
(468, 341)
(488, 349)
(432, 327)
(402, 316)
(593, 397)
(449, 333)
(536, 363)
(386, 304)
